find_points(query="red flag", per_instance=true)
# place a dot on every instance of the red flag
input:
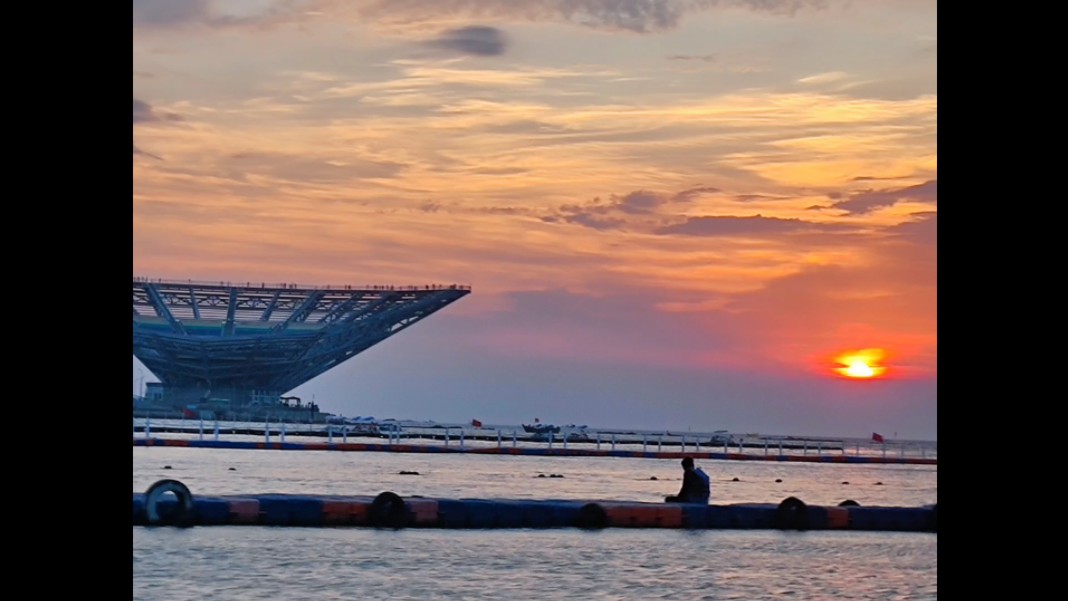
(476, 423)
(877, 437)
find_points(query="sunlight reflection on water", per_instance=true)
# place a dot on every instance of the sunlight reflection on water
(253, 562)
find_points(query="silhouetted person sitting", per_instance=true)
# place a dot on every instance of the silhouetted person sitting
(695, 485)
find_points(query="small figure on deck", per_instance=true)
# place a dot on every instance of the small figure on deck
(695, 485)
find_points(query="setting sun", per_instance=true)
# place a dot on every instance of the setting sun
(861, 364)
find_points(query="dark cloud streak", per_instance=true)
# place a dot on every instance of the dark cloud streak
(169, 13)
(736, 226)
(138, 152)
(866, 202)
(143, 113)
(476, 39)
(638, 16)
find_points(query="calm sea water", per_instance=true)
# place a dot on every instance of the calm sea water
(244, 563)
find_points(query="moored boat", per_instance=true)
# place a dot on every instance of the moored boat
(539, 428)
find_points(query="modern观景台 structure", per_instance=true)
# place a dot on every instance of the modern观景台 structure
(242, 346)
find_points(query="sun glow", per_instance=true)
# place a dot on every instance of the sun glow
(861, 364)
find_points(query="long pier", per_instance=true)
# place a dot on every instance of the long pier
(455, 433)
(170, 503)
(558, 451)
(570, 437)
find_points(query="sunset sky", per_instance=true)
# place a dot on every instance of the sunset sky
(673, 214)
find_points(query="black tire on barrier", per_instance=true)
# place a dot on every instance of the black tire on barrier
(591, 516)
(181, 515)
(389, 510)
(849, 503)
(792, 514)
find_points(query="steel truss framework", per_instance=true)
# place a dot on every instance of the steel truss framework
(267, 337)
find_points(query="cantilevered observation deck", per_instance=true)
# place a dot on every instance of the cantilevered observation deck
(246, 344)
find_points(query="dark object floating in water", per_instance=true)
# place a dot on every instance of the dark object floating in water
(556, 475)
(849, 503)
(878, 484)
(388, 510)
(233, 469)
(166, 467)
(778, 479)
(591, 516)
(408, 473)
(541, 475)
(846, 482)
(735, 479)
(652, 477)
(179, 515)
(792, 514)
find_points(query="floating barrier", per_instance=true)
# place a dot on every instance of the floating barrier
(390, 510)
(561, 451)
